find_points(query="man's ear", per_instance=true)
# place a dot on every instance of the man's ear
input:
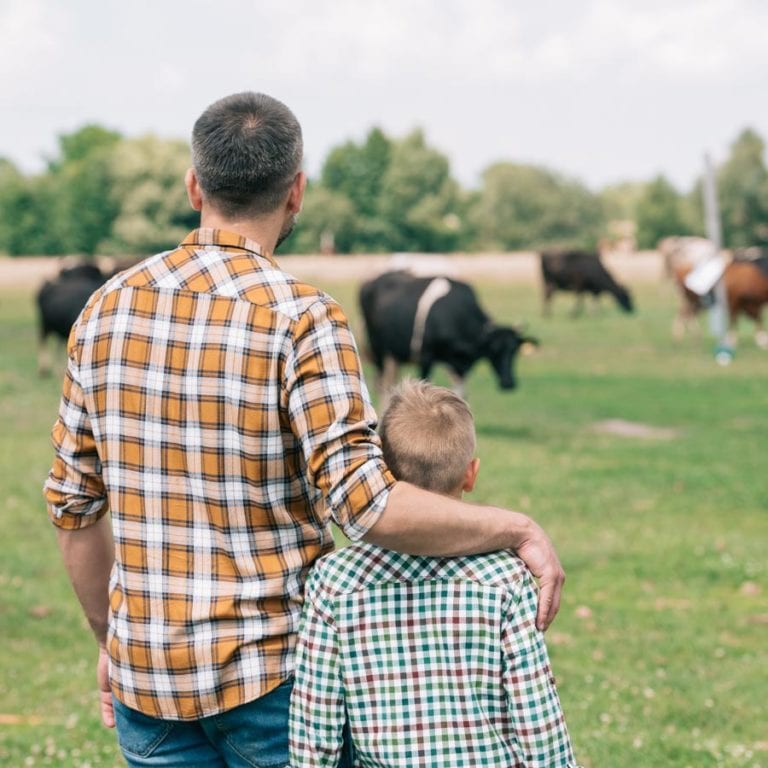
(194, 193)
(470, 475)
(296, 195)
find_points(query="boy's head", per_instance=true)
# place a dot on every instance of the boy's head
(428, 437)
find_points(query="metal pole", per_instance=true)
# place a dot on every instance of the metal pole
(718, 313)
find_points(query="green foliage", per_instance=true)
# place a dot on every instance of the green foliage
(620, 201)
(419, 199)
(147, 179)
(743, 190)
(357, 171)
(103, 193)
(524, 206)
(659, 213)
(87, 205)
(28, 215)
(10, 181)
(400, 191)
(328, 220)
(79, 145)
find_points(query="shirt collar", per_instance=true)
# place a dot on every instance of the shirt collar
(226, 240)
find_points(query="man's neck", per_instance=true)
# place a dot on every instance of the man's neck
(263, 231)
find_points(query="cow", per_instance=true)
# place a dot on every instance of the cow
(60, 301)
(429, 320)
(746, 291)
(581, 272)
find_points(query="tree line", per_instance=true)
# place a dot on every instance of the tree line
(108, 194)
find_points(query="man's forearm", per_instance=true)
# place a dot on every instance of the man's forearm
(88, 555)
(418, 522)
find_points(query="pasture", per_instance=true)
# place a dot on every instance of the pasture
(661, 645)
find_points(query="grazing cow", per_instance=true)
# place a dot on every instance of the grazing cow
(59, 303)
(428, 320)
(746, 291)
(580, 272)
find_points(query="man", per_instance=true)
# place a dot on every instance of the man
(215, 406)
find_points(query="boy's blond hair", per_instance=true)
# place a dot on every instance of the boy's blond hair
(428, 436)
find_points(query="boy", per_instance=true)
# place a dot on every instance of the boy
(429, 661)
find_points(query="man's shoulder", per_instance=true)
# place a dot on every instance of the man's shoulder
(352, 567)
(361, 566)
(502, 569)
(209, 265)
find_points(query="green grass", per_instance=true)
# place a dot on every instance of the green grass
(660, 647)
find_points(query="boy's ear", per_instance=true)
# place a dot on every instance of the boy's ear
(470, 476)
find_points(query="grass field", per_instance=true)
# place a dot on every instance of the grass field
(661, 645)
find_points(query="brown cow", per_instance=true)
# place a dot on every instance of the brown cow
(746, 289)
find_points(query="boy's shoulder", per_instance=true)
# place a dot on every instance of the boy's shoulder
(360, 566)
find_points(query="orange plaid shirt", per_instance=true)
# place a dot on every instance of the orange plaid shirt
(216, 407)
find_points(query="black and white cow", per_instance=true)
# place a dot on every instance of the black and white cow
(580, 272)
(60, 301)
(428, 320)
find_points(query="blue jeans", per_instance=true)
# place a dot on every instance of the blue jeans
(254, 735)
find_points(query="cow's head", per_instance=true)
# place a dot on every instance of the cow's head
(501, 345)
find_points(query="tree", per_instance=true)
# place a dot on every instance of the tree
(357, 171)
(743, 192)
(10, 180)
(525, 206)
(327, 217)
(153, 211)
(419, 199)
(659, 213)
(620, 201)
(80, 144)
(26, 219)
(82, 208)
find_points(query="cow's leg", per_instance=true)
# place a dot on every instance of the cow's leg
(578, 307)
(425, 366)
(761, 337)
(732, 336)
(44, 363)
(386, 381)
(546, 304)
(686, 319)
(457, 381)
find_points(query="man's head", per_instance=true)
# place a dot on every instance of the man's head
(246, 155)
(428, 437)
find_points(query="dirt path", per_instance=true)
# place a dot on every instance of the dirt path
(642, 267)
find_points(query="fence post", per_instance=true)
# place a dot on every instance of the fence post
(718, 313)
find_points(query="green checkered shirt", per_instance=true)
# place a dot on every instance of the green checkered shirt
(436, 662)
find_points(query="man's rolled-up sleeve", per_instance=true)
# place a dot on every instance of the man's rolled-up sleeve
(74, 489)
(333, 419)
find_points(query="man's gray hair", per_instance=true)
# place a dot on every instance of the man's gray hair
(246, 151)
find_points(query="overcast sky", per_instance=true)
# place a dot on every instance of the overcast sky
(603, 90)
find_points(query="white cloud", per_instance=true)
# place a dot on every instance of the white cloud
(30, 41)
(390, 38)
(684, 40)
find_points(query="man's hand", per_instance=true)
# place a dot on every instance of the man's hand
(105, 691)
(538, 553)
(418, 522)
